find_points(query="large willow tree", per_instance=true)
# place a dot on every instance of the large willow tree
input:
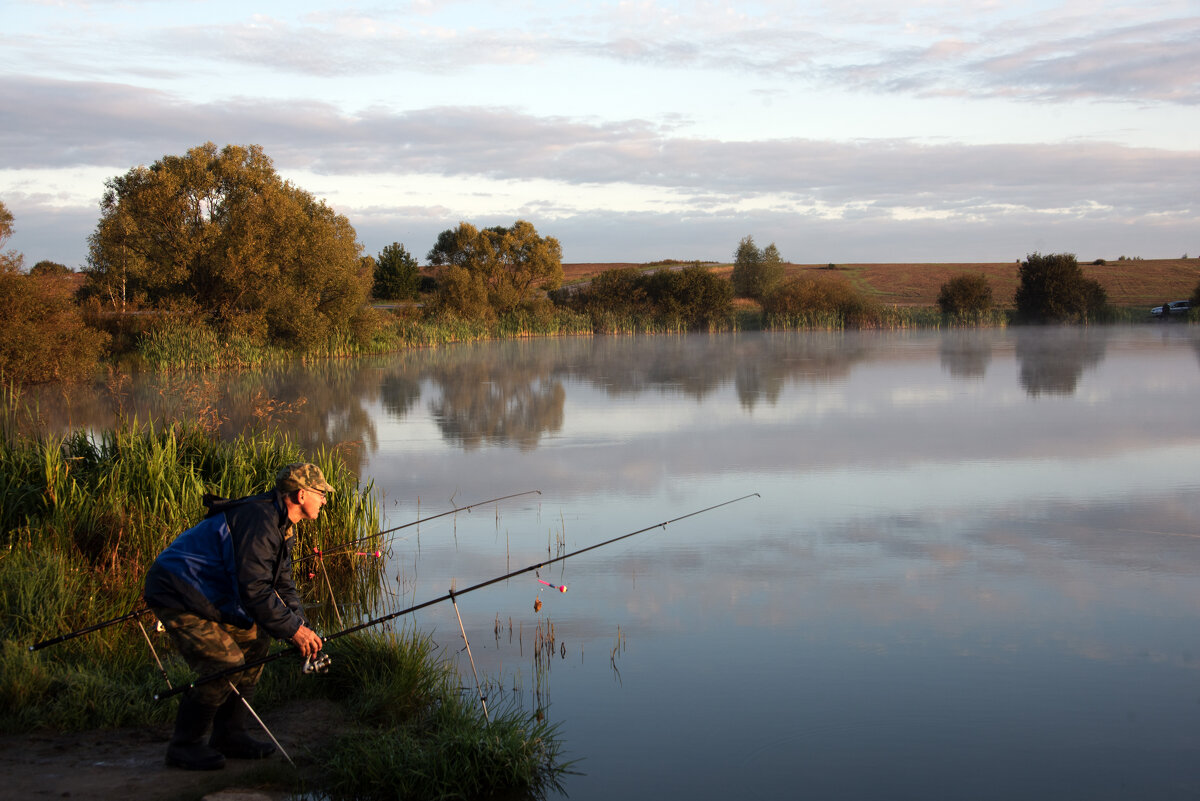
(220, 234)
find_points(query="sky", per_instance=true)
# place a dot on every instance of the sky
(634, 131)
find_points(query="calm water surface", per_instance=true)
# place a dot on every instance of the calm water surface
(973, 571)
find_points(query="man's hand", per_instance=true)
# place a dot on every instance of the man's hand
(308, 641)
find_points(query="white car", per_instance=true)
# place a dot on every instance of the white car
(1180, 307)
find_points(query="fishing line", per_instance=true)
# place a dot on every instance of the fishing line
(448, 597)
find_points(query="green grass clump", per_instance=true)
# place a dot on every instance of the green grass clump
(422, 739)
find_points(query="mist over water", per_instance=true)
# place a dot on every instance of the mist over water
(973, 571)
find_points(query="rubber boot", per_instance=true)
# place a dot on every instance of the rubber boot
(230, 736)
(187, 749)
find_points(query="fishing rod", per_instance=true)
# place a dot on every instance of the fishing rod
(449, 596)
(139, 612)
(362, 540)
(70, 635)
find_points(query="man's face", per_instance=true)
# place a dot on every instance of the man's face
(311, 501)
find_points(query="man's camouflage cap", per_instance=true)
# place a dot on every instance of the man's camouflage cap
(301, 475)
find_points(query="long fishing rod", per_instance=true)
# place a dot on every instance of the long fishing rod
(361, 540)
(70, 635)
(450, 596)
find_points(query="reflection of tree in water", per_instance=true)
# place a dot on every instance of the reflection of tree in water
(399, 392)
(318, 405)
(1052, 360)
(966, 353)
(697, 365)
(768, 365)
(489, 400)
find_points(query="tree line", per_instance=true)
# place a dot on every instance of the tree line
(214, 243)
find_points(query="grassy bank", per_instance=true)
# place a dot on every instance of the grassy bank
(82, 518)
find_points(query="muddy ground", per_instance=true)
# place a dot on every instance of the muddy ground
(128, 763)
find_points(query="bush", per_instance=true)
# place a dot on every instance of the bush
(45, 337)
(667, 299)
(965, 295)
(1053, 289)
(819, 302)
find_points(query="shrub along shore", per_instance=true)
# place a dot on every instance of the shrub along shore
(85, 514)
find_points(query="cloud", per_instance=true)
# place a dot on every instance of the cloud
(121, 126)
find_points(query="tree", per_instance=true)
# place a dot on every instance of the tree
(47, 267)
(45, 338)
(220, 233)
(9, 260)
(507, 266)
(965, 295)
(397, 276)
(1053, 289)
(756, 273)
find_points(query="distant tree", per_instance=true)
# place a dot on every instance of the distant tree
(397, 275)
(1053, 289)
(507, 266)
(45, 267)
(9, 259)
(219, 232)
(756, 272)
(45, 338)
(965, 295)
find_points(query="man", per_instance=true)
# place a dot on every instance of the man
(222, 589)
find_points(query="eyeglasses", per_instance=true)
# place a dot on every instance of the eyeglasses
(319, 492)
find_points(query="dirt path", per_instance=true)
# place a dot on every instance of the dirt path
(128, 763)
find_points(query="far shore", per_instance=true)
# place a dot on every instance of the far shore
(1128, 282)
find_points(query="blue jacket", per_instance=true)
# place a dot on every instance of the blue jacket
(235, 566)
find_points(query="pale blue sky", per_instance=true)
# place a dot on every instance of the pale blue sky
(633, 131)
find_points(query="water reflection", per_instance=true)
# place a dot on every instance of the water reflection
(517, 393)
(966, 353)
(1054, 359)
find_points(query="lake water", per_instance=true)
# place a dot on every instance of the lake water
(972, 570)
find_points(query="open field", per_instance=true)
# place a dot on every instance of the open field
(1137, 282)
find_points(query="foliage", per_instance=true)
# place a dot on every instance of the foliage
(502, 268)
(965, 295)
(1053, 289)
(53, 268)
(756, 273)
(397, 276)
(222, 233)
(628, 300)
(45, 337)
(1195, 298)
(811, 301)
(10, 260)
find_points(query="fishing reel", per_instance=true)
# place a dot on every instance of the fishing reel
(320, 664)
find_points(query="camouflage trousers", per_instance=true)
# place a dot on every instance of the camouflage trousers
(209, 647)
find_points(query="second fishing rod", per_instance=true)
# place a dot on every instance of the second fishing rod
(449, 596)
